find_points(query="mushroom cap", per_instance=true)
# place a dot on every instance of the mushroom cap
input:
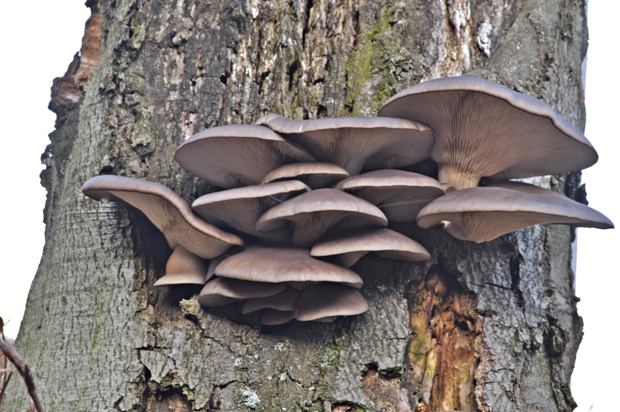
(183, 267)
(274, 317)
(327, 300)
(314, 213)
(222, 291)
(241, 207)
(168, 212)
(212, 265)
(236, 155)
(399, 194)
(315, 175)
(357, 143)
(283, 301)
(484, 129)
(278, 265)
(386, 243)
(481, 214)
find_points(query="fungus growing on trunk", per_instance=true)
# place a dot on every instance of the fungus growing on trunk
(314, 213)
(356, 143)
(168, 212)
(236, 155)
(481, 214)
(285, 301)
(223, 291)
(326, 301)
(484, 129)
(315, 175)
(399, 194)
(183, 267)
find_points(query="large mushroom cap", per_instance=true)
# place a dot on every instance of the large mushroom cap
(279, 265)
(357, 143)
(315, 175)
(327, 300)
(484, 129)
(481, 214)
(236, 155)
(349, 247)
(222, 291)
(241, 207)
(183, 267)
(168, 212)
(314, 213)
(399, 194)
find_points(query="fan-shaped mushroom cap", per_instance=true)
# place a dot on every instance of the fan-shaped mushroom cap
(315, 175)
(283, 301)
(349, 247)
(357, 143)
(313, 213)
(399, 194)
(236, 155)
(241, 208)
(168, 212)
(481, 214)
(274, 317)
(327, 300)
(222, 291)
(484, 129)
(183, 267)
(279, 265)
(212, 265)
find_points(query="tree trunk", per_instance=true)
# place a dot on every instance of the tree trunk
(477, 328)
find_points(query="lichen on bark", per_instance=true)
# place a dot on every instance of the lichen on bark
(477, 328)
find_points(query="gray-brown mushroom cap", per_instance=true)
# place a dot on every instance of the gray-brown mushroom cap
(314, 213)
(399, 194)
(349, 247)
(236, 155)
(283, 301)
(484, 129)
(168, 212)
(222, 291)
(315, 175)
(327, 300)
(241, 207)
(356, 143)
(274, 317)
(182, 268)
(279, 265)
(481, 214)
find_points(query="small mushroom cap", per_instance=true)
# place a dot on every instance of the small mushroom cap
(212, 265)
(399, 194)
(236, 155)
(222, 291)
(241, 207)
(315, 175)
(484, 129)
(274, 317)
(314, 213)
(168, 212)
(327, 300)
(283, 301)
(481, 214)
(357, 143)
(278, 265)
(183, 267)
(385, 242)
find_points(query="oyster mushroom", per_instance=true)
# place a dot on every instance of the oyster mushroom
(315, 175)
(223, 291)
(484, 129)
(326, 301)
(183, 267)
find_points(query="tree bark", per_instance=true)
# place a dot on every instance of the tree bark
(477, 328)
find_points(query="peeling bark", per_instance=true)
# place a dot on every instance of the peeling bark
(477, 328)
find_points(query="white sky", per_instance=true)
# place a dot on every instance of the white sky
(39, 38)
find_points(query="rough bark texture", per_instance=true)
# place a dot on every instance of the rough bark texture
(477, 328)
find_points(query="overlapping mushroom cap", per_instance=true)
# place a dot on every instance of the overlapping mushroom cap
(484, 129)
(481, 214)
(168, 212)
(236, 155)
(315, 175)
(222, 291)
(356, 143)
(182, 268)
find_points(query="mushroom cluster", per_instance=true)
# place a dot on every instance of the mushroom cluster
(297, 212)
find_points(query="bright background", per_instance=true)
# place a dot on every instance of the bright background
(39, 39)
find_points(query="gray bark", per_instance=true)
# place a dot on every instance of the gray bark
(477, 328)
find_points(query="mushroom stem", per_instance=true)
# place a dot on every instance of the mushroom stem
(453, 179)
